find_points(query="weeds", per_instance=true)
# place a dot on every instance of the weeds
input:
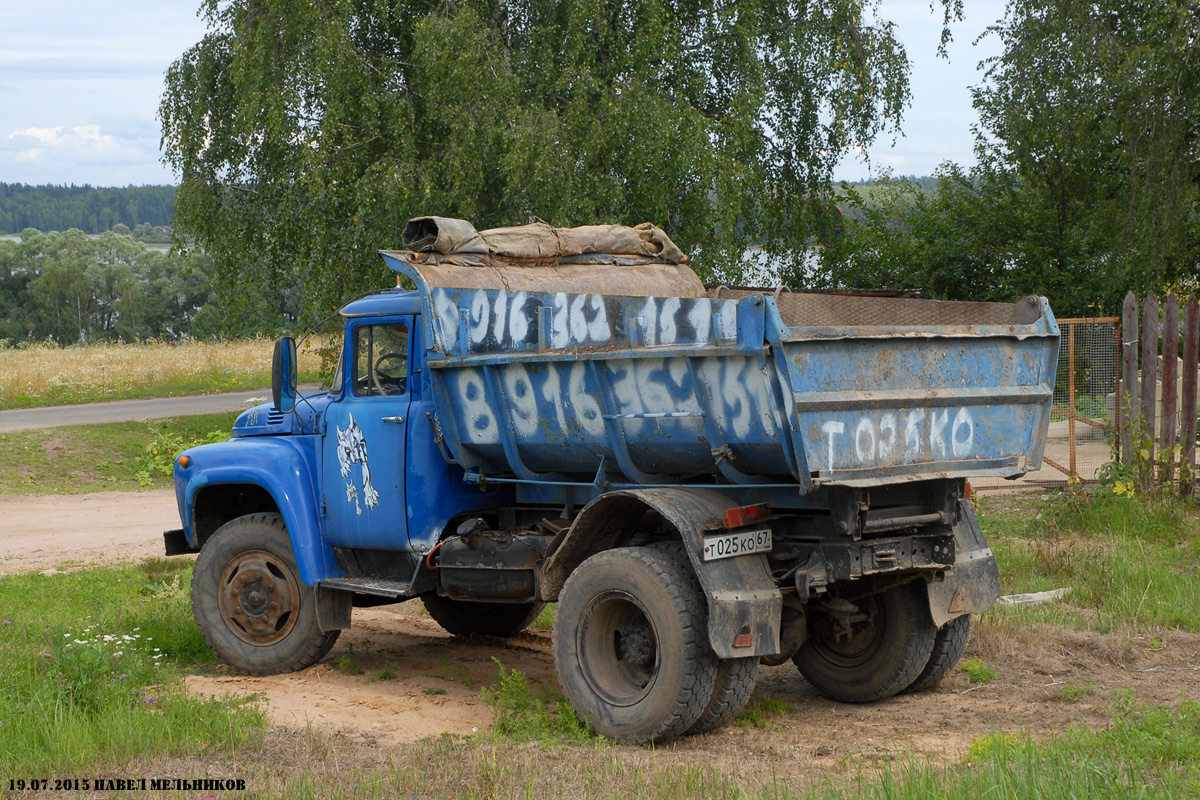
(761, 711)
(348, 666)
(1073, 692)
(1130, 561)
(977, 671)
(385, 673)
(520, 715)
(159, 459)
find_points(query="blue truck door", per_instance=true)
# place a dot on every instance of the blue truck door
(363, 452)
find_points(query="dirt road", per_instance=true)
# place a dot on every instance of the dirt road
(436, 688)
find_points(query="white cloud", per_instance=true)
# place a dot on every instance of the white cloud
(80, 136)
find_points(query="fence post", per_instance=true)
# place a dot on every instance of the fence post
(1187, 404)
(1071, 454)
(1170, 388)
(1150, 328)
(1127, 396)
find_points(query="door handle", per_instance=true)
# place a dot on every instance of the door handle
(393, 419)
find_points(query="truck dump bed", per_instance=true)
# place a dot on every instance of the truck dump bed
(611, 369)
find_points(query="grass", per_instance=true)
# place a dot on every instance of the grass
(1130, 562)
(520, 715)
(1074, 692)
(111, 456)
(45, 375)
(1146, 752)
(977, 671)
(108, 686)
(761, 712)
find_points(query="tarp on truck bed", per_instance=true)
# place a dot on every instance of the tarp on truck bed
(455, 241)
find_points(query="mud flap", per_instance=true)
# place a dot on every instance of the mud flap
(972, 586)
(333, 609)
(744, 606)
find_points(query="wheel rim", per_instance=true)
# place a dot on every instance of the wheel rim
(864, 642)
(618, 648)
(259, 598)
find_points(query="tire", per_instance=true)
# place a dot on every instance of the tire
(735, 679)
(249, 603)
(735, 682)
(464, 618)
(883, 656)
(631, 645)
(948, 647)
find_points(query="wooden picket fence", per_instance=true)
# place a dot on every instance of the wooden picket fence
(1158, 401)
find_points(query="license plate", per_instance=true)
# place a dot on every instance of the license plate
(737, 544)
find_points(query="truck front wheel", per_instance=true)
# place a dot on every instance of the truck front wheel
(250, 606)
(631, 645)
(888, 644)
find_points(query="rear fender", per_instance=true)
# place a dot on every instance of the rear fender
(278, 467)
(741, 594)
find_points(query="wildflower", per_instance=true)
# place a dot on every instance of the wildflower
(47, 655)
(9, 622)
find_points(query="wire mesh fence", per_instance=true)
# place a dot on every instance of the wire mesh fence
(1084, 420)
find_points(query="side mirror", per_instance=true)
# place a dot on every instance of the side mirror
(283, 374)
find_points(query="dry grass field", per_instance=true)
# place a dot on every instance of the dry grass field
(47, 375)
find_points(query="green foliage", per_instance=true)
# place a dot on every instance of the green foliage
(92, 209)
(977, 671)
(164, 447)
(1086, 183)
(522, 716)
(68, 288)
(306, 134)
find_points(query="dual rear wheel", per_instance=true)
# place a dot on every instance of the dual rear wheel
(889, 646)
(632, 653)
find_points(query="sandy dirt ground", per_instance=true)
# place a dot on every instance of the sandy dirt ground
(438, 678)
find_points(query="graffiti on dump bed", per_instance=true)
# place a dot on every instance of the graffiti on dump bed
(906, 437)
(499, 320)
(566, 399)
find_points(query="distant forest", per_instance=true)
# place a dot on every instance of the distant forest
(90, 209)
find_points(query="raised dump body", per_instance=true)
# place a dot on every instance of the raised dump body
(541, 382)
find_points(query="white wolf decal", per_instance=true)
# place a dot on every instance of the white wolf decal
(352, 449)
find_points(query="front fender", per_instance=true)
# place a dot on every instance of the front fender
(279, 466)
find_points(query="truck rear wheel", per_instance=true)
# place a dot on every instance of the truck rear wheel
(631, 645)
(734, 684)
(464, 618)
(250, 605)
(948, 647)
(735, 679)
(882, 655)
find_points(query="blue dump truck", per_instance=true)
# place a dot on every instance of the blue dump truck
(703, 480)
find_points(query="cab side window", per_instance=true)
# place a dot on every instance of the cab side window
(381, 360)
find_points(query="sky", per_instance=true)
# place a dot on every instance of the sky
(80, 84)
